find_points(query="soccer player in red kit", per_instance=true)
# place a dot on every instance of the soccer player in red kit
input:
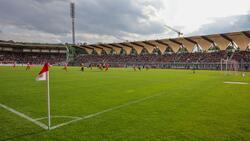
(107, 67)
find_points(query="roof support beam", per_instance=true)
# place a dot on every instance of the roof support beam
(126, 45)
(137, 48)
(160, 42)
(226, 37)
(207, 39)
(176, 42)
(137, 44)
(87, 47)
(246, 34)
(106, 46)
(95, 46)
(191, 41)
(150, 44)
(115, 46)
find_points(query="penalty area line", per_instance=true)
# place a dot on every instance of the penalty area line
(108, 110)
(24, 116)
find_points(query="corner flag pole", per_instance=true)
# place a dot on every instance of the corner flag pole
(43, 75)
(48, 90)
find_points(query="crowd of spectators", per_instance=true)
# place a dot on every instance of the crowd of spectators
(214, 57)
(242, 56)
(31, 58)
(125, 58)
(59, 58)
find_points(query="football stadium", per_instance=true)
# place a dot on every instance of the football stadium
(186, 87)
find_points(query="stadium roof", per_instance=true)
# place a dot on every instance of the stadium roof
(31, 45)
(242, 40)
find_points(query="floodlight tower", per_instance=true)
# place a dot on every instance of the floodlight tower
(72, 15)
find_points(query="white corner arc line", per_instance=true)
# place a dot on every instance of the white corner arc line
(24, 116)
(108, 110)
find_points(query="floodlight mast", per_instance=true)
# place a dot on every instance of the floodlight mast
(72, 15)
(180, 34)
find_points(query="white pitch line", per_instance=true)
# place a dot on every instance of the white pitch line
(24, 116)
(239, 83)
(108, 110)
(37, 119)
(121, 106)
(65, 123)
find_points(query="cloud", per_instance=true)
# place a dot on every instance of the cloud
(96, 16)
(112, 20)
(50, 1)
(101, 17)
(226, 24)
(115, 17)
(33, 15)
(26, 35)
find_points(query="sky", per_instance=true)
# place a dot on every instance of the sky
(107, 21)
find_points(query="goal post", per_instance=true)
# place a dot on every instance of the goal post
(229, 65)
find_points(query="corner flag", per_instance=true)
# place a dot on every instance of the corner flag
(44, 76)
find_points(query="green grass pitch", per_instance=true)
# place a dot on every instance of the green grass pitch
(169, 105)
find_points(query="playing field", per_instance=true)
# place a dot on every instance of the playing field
(172, 105)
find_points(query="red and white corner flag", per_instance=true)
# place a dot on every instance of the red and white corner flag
(42, 76)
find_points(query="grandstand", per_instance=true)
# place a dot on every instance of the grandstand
(206, 52)
(33, 53)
